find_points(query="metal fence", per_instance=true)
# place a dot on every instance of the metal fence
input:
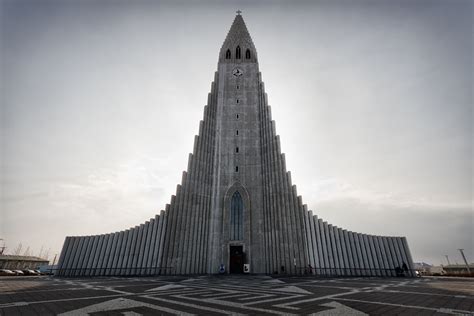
(156, 271)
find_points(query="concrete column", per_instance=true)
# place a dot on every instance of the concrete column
(340, 252)
(302, 241)
(106, 254)
(90, 260)
(133, 251)
(350, 259)
(360, 258)
(185, 216)
(386, 265)
(103, 255)
(380, 258)
(154, 244)
(388, 255)
(123, 256)
(70, 256)
(310, 236)
(403, 256)
(115, 260)
(97, 255)
(169, 234)
(142, 249)
(353, 252)
(333, 249)
(408, 254)
(75, 257)
(85, 256)
(345, 265)
(329, 249)
(369, 255)
(374, 255)
(395, 259)
(148, 250)
(161, 261)
(128, 249)
(318, 242)
(324, 249)
(394, 244)
(110, 258)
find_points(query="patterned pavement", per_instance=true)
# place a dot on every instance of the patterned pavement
(235, 295)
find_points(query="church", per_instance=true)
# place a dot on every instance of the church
(236, 209)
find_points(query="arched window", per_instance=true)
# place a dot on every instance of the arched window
(237, 52)
(247, 54)
(236, 217)
(227, 54)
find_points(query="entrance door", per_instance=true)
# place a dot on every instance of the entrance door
(236, 264)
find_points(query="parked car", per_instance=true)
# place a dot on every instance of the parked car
(18, 272)
(6, 272)
(29, 272)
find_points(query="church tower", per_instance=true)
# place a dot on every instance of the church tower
(236, 209)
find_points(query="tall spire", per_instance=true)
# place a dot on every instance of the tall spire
(238, 35)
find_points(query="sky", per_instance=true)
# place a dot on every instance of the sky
(100, 102)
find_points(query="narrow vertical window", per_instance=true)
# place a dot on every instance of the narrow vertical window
(237, 132)
(236, 168)
(237, 116)
(247, 54)
(236, 217)
(237, 52)
(238, 87)
(237, 149)
(237, 100)
(227, 54)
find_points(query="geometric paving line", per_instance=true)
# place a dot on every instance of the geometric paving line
(434, 309)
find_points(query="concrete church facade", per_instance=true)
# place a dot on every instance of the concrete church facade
(236, 204)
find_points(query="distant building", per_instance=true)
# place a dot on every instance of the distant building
(458, 269)
(422, 267)
(13, 262)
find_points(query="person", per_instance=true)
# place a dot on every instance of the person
(222, 269)
(405, 267)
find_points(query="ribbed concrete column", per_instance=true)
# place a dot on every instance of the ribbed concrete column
(98, 255)
(374, 255)
(161, 261)
(380, 258)
(333, 250)
(309, 227)
(150, 260)
(359, 256)
(85, 255)
(169, 234)
(383, 255)
(345, 260)
(148, 252)
(128, 249)
(322, 231)
(369, 255)
(113, 267)
(355, 258)
(75, 256)
(124, 252)
(408, 255)
(350, 261)
(141, 249)
(70, 256)
(388, 255)
(327, 233)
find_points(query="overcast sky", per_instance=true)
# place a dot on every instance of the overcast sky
(100, 102)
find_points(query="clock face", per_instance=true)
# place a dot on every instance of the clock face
(237, 72)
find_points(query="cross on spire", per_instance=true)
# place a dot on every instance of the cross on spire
(238, 12)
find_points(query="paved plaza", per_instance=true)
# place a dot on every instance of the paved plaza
(236, 295)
